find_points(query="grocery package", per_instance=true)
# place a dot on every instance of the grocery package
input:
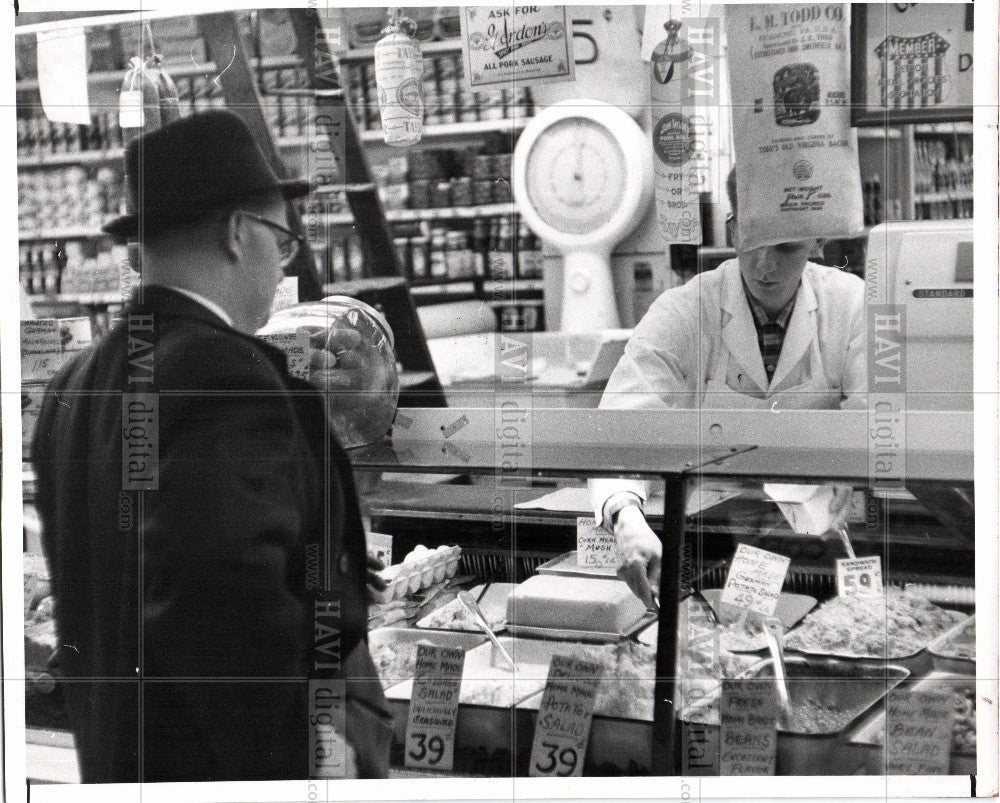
(420, 569)
(797, 173)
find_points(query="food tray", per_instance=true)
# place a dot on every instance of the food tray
(912, 658)
(590, 636)
(942, 649)
(407, 638)
(566, 564)
(867, 739)
(493, 605)
(790, 610)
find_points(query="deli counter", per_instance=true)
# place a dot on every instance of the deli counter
(512, 508)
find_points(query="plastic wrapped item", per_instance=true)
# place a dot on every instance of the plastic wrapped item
(344, 347)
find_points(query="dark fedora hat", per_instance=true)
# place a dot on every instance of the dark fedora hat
(191, 166)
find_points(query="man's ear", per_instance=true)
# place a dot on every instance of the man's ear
(232, 234)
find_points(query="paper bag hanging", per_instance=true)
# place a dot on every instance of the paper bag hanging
(678, 141)
(797, 173)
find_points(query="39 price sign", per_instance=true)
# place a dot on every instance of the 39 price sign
(563, 727)
(859, 576)
(430, 726)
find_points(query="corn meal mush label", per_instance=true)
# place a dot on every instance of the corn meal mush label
(522, 44)
(595, 546)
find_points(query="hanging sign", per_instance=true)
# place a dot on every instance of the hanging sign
(513, 45)
(62, 75)
(430, 727)
(563, 726)
(755, 579)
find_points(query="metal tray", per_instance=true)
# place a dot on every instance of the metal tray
(566, 564)
(946, 661)
(494, 600)
(590, 636)
(847, 687)
(866, 739)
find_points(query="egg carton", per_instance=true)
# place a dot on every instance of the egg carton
(421, 569)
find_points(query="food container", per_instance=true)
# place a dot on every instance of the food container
(863, 753)
(493, 604)
(838, 691)
(955, 650)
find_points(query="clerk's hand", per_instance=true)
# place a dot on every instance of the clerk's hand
(374, 582)
(639, 555)
(346, 363)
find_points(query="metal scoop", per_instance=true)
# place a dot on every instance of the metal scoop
(775, 639)
(472, 607)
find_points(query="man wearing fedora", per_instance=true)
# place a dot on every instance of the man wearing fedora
(199, 518)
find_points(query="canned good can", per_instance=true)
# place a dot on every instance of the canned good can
(482, 167)
(441, 194)
(482, 192)
(420, 194)
(461, 191)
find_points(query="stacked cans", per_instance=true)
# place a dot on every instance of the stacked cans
(39, 136)
(68, 197)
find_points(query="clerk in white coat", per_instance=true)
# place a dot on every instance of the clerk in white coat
(768, 330)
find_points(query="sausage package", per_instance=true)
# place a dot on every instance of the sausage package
(797, 174)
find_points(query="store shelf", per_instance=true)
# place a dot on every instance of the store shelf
(444, 288)
(426, 48)
(879, 132)
(937, 197)
(74, 158)
(445, 213)
(86, 299)
(518, 285)
(179, 70)
(943, 128)
(509, 125)
(61, 233)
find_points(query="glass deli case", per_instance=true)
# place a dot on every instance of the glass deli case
(875, 602)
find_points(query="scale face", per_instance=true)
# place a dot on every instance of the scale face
(583, 178)
(575, 175)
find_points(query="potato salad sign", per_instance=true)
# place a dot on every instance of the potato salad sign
(506, 44)
(797, 173)
(755, 579)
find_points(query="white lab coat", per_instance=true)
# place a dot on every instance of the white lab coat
(697, 346)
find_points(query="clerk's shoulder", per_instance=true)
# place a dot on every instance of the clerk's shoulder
(834, 284)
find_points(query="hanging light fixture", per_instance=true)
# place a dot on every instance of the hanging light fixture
(399, 68)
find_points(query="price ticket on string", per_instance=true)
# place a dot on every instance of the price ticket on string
(430, 726)
(563, 727)
(748, 734)
(296, 347)
(595, 546)
(755, 579)
(859, 576)
(918, 732)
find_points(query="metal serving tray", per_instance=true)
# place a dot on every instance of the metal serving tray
(494, 601)
(943, 654)
(590, 636)
(566, 565)
(408, 637)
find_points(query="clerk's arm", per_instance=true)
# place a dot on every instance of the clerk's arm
(659, 370)
(855, 382)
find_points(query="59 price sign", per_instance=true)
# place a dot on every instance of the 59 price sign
(859, 576)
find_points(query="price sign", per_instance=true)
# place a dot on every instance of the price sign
(563, 727)
(859, 576)
(296, 348)
(755, 579)
(286, 294)
(919, 732)
(41, 349)
(595, 546)
(430, 727)
(748, 736)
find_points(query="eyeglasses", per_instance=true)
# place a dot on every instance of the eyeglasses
(288, 241)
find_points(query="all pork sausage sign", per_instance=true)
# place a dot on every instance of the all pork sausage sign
(519, 44)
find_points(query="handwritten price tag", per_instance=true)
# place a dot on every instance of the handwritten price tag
(430, 727)
(286, 294)
(755, 579)
(918, 732)
(41, 349)
(296, 348)
(563, 727)
(595, 546)
(748, 736)
(859, 576)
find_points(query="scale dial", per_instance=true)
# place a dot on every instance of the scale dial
(575, 175)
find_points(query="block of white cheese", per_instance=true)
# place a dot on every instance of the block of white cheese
(574, 603)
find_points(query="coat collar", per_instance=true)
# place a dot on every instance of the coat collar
(168, 303)
(740, 335)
